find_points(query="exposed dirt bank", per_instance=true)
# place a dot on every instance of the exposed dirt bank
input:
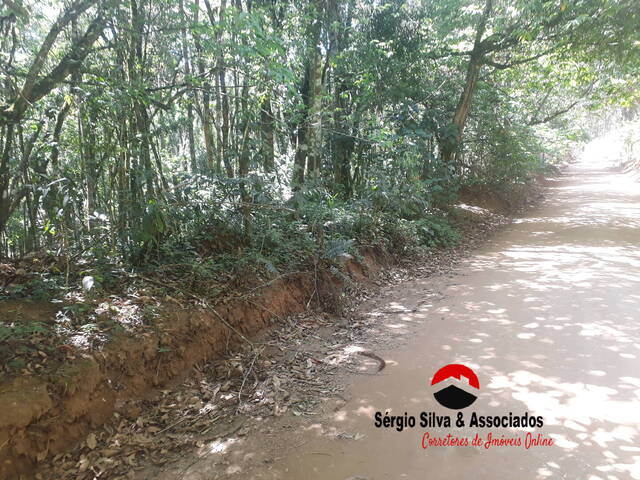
(43, 416)
(513, 200)
(545, 313)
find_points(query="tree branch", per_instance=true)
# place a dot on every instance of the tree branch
(34, 89)
(561, 111)
(504, 66)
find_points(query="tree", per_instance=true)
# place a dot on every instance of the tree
(126, 125)
(35, 86)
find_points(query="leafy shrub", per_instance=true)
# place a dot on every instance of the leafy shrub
(437, 231)
(511, 155)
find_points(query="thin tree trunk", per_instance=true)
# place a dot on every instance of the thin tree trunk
(450, 140)
(207, 130)
(267, 135)
(309, 129)
(187, 71)
(314, 119)
(223, 94)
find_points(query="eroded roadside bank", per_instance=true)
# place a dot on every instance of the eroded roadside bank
(133, 386)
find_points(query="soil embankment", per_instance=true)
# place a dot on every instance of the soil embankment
(44, 416)
(546, 314)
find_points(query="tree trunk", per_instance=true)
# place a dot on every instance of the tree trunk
(207, 129)
(314, 118)
(267, 134)
(223, 99)
(343, 143)
(309, 128)
(450, 139)
(187, 72)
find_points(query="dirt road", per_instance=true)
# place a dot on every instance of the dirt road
(547, 315)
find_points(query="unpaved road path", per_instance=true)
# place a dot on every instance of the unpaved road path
(548, 316)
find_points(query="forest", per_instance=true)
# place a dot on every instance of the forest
(136, 132)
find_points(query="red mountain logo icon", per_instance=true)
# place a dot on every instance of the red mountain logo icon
(454, 397)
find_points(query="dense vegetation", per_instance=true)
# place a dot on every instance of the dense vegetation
(170, 132)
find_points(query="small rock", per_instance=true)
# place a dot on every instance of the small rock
(91, 441)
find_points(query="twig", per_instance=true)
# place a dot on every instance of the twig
(227, 324)
(251, 290)
(264, 308)
(315, 282)
(203, 302)
(171, 426)
(175, 424)
(244, 379)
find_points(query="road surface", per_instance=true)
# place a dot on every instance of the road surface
(547, 314)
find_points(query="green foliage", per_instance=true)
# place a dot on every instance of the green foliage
(336, 247)
(437, 231)
(40, 288)
(20, 340)
(21, 331)
(512, 156)
(174, 143)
